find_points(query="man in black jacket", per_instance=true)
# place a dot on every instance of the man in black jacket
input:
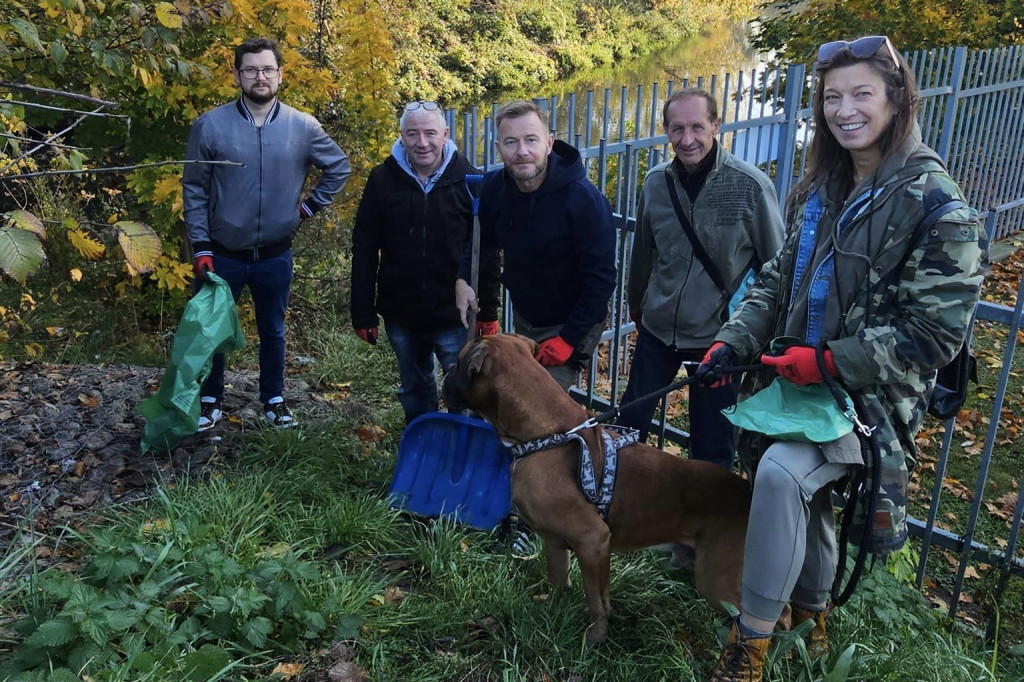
(413, 223)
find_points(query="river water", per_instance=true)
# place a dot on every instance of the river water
(624, 100)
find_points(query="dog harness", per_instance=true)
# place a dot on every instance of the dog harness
(598, 495)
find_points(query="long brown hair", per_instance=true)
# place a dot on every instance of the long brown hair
(826, 158)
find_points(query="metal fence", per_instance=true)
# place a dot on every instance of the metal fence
(972, 114)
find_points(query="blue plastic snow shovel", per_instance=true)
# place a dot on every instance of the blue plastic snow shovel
(455, 467)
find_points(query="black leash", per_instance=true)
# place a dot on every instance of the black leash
(857, 485)
(616, 411)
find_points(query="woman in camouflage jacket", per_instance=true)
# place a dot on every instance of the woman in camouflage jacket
(882, 322)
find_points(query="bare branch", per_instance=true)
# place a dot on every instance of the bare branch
(32, 151)
(115, 169)
(58, 93)
(50, 144)
(70, 111)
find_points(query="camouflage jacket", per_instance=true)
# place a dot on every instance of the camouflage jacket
(888, 331)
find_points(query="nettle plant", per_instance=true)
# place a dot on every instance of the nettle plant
(175, 604)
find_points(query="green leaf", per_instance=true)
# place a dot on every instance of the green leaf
(348, 627)
(140, 244)
(97, 629)
(121, 620)
(21, 253)
(256, 630)
(29, 35)
(204, 664)
(841, 672)
(58, 52)
(218, 603)
(53, 633)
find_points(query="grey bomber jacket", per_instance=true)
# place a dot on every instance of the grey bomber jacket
(240, 211)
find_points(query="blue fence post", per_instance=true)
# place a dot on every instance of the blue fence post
(956, 83)
(787, 133)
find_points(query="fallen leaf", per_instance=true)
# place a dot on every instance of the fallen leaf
(288, 670)
(393, 596)
(344, 671)
(971, 573)
(88, 400)
(464, 545)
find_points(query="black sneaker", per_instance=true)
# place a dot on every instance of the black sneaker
(210, 412)
(277, 413)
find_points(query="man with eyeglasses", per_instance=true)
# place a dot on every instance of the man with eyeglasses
(413, 223)
(241, 218)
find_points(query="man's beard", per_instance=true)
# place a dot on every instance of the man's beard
(538, 170)
(261, 98)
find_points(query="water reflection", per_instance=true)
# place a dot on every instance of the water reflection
(622, 103)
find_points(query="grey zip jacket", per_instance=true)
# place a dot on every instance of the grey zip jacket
(736, 218)
(252, 211)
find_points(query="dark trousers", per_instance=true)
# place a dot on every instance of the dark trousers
(655, 366)
(269, 283)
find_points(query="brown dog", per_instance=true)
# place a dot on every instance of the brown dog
(658, 498)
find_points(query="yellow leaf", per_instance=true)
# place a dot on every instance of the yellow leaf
(278, 550)
(464, 545)
(971, 573)
(167, 15)
(140, 244)
(288, 670)
(85, 244)
(76, 274)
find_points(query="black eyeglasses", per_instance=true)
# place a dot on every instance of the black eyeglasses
(251, 72)
(862, 48)
(426, 106)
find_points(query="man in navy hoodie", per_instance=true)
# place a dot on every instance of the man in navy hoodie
(412, 226)
(555, 230)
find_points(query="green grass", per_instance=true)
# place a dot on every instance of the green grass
(294, 546)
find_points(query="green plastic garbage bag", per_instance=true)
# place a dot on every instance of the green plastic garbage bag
(209, 325)
(785, 411)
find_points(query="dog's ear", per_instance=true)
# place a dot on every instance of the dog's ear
(474, 359)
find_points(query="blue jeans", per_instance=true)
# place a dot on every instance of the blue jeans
(655, 366)
(417, 372)
(269, 283)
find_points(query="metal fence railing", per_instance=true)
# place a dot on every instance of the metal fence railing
(972, 114)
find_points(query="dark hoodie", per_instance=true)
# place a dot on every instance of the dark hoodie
(558, 245)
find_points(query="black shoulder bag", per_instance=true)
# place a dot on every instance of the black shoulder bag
(698, 248)
(950, 390)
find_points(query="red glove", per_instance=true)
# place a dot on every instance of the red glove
(711, 370)
(553, 352)
(369, 335)
(799, 365)
(201, 266)
(486, 328)
(637, 316)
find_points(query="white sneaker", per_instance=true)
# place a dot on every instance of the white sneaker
(209, 412)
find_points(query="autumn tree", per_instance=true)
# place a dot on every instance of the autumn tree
(795, 29)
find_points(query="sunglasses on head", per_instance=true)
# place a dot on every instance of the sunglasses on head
(862, 48)
(426, 106)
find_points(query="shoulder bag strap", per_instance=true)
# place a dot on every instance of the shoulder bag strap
(698, 248)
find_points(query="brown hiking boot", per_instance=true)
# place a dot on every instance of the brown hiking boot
(817, 642)
(742, 659)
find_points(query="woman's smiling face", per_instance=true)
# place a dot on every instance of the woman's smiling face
(856, 107)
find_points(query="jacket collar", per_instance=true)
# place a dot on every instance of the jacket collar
(271, 115)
